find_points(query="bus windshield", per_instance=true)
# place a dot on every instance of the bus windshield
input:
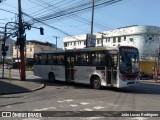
(129, 61)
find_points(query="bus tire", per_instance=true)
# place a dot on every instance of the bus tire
(51, 77)
(96, 83)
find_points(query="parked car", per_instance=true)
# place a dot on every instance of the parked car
(7, 66)
(144, 76)
(10, 66)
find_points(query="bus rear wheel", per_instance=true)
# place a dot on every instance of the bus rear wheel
(51, 77)
(96, 83)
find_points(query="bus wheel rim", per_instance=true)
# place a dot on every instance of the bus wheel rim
(96, 83)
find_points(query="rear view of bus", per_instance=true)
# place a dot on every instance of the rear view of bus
(128, 66)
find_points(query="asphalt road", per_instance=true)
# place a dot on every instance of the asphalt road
(62, 96)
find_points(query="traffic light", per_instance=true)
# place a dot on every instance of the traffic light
(3, 47)
(4, 53)
(6, 48)
(41, 31)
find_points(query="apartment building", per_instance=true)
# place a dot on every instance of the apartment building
(145, 38)
(9, 43)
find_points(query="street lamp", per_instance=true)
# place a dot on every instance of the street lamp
(4, 47)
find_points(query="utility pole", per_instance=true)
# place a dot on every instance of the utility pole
(21, 42)
(92, 16)
(158, 54)
(56, 40)
(3, 49)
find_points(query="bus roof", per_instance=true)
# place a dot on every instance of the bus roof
(83, 49)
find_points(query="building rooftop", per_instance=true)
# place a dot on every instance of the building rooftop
(40, 43)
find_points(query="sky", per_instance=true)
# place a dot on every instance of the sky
(121, 14)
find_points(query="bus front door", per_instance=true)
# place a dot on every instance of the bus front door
(70, 68)
(112, 70)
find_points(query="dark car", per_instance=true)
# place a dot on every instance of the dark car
(144, 76)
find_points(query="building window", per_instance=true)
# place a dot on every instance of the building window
(108, 39)
(114, 40)
(119, 39)
(65, 44)
(124, 38)
(100, 41)
(131, 39)
(30, 49)
(97, 41)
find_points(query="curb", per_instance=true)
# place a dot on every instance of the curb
(18, 92)
(150, 82)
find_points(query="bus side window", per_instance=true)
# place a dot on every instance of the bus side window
(79, 60)
(110, 61)
(93, 59)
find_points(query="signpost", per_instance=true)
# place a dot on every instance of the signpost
(90, 40)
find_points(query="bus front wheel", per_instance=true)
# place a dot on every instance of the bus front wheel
(96, 83)
(51, 77)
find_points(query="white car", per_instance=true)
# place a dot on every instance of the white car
(5, 66)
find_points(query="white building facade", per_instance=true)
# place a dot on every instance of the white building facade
(145, 38)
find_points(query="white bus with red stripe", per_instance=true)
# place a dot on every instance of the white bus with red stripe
(97, 66)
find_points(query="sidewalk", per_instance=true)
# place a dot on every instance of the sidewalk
(17, 86)
(150, 81)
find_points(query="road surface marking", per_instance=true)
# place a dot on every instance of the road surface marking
(68, 100)
(8, 106)
(45, 109)
(87, 109)
(98, 107)
(74, 105)
(84, 103)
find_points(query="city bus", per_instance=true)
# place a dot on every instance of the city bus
(97, 66)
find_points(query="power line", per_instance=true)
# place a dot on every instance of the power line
(61, 14)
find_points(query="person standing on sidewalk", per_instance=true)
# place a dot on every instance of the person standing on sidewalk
(156, 70)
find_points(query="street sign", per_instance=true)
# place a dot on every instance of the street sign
(90, 40)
